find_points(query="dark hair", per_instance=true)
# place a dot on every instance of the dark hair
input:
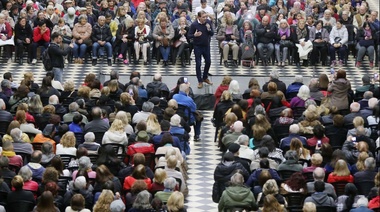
(50, 73)
(319, 186)
(81, 151)
(264, 163)
(319, 131)
(166, 139)
(7, 75)
(135, 74)
(77, 118)
(365, 24)
(297, 182)
(165, 125)
(46, 203)
(341, 74)
(351, 191)
(54, 36)
(41, 23)
(264, 177)
(107, 156)
(263, 152)
(319, 22)
(109, 185)
(56, 162)
(338, 120)
(22, 92)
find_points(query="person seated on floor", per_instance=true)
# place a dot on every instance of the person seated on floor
(319, 197)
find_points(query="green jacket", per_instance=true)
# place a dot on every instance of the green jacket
(237, 196)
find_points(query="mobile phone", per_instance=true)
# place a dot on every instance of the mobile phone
(353, 139)
(319, 143)
(130, 91)
(375, 76)
(185, 80)
(332, 71)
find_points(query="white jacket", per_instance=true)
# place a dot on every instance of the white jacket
(111, 137)
(342, 33)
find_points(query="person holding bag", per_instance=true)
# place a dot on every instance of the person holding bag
(163, 34)
(283, 42)
(81, 37)
(300, 36)
(319, 36)
(180, 40)
(365, 45)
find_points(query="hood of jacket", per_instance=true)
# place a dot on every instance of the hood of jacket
(238, 193)
(321, 198)
(223, 172)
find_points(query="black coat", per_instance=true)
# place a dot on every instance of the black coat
(56, 55)
(101, 33)
(266, 37)
(21, 33)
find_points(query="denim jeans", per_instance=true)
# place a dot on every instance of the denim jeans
(200, 51)
(362, 50)
(58, 74)
(96, 46)
(82, 50)
(278, 53)
(269, 48)
(165, 51)
(342, 51)
(35, 45)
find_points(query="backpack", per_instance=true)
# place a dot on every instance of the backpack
(46, 61)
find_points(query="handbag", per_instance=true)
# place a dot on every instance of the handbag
(177, 43)
(322, 44)
(198, 116)
(366, 43)
(165, 42)
(66, 39)
(286, 43)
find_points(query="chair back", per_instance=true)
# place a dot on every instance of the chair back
(285, 174)
(308, 176)
(79, 139)
(62, 183)
(281, 131)
(37, 146)
(339, 187)
(364, 187)
(20, 206)
(93, 158)
(25, 157)
(295, 199)
(326, 209)
(3, 198)
(66, 159)
(4, 127)
(298, 111)
(119, 150)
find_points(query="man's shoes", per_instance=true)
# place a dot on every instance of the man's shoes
(225, 64)
(200, 85)
(109, 62)
(34, 61)
(20, 61)
(94, 62)
(196, 138)
(207, 81)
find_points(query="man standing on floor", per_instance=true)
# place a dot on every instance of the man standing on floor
(56, 55)
(201, 32)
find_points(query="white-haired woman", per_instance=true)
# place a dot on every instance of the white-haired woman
(142, 33)
(283, 42)
(81, 34)
(124, 38)
(302, 96)
(6, 33)
(234, 89)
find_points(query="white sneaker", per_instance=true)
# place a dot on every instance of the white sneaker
(66, 61)
(34, 61)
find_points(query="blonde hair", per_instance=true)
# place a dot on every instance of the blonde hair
(296, 145)
(125, 98)
(309, 207)
(113, 85)
(316, 159)
(358, 121)
(226, 80)
(175, 202)
(226, 95)
(230, 118)
(104, 201)
(160, 176)
(105, 91)
(84, 91)
(360, 163)
(68, 86)
(123, 116)
(117, 126)
(341, 168)
(68, 139)
(270, 187)
(152, 125)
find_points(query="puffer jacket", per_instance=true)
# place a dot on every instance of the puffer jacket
(342, 33)
(101, 33)
(237, 196)
(82, 31)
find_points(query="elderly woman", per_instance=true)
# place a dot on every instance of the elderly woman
(169, 186)
(291, 163)
(85, 164)
(283, 42)
(81, 35)
(142, 33)
(6, 33)
(47, 153)
(8, 151)
(271, 188)
(366, 42)
(338, 41)
(23, 38)
(300, 99)
(163, 34)
(320, 38)
(26, 175)
(67, 145)
(125, 37)
(64, 30)
(339, 88)
(180, 40)
(303, 45)
(228, 37)
(15, 124)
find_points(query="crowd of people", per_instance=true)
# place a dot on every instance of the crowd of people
(297, 146)
(104, 146)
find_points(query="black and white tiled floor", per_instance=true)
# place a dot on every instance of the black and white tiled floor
(204, 154)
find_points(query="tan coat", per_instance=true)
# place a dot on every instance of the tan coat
(82, 31)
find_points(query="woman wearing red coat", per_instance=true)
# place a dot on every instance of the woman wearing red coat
(341, 173)
(222, 87)
(6, 33)
(41, 37)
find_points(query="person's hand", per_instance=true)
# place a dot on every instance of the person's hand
(117, 195)
(125, 36)
(43, 31)
(27, 40)
(233, 37)
(208, 26)
(197, 33)
(283, 37)
(159, 38)
(71, 45)
(124, 40)
(317, 147)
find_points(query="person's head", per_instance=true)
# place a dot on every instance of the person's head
(319, 186)
(103, 174)
(370, 164)
(68, 139)
(142, 200)
(104, 201)
(170, 183)
(304, 92)
(52, 187)
(271, 204)
(202, 17)
(316, 159)
(176, 201)
(309, 207)
(341, 168)
(319, 131)
(16, 134)
(139, 172)
(362, 202)
(291, 155)
(159, 176)
(294, 129)
(50, 175)
(36, 156)
(56, 37)
(25, 173)
(270, 187)
(296, 182)
(17, 182)
(354, 107)
(77, 202)
(84, 163)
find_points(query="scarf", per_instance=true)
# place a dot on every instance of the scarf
(8, 153)
(367, 33)
(301, 33)
(283, 32)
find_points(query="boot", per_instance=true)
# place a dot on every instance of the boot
(235, 63)
(305, 63)
(20, 61)
(94, 62)
(109, 63)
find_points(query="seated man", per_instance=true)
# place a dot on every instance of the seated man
(41, 37)
(294, 129)
(368, 174)
(90, 144)
(101, 36)
(319, 175)
(265, 33)
(320, 198)
(35, 166)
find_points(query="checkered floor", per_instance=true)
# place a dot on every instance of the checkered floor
(204, 154)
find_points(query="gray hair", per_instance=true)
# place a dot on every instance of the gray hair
(157, 77)
(16, 134)
(25, 173)
(142, 200)
(243, 140)
(84, 163)
(114, 75)
(53, 100)
(147, 106)
(81, 17)
(274, 74)
(291, 155)
(47, 148)
(367, 95)
(294, 129)
(170, 183)
(355, 107)
(73, 107)
(370, 163)
(319, 174)
(89, 137)
(372, 102)
(362, 201)
(237, 179)
(259, 109)
(298, 78)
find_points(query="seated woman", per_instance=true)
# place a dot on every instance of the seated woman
(283, 43)
(311, 120)
(366, 44)
(320, 38)
(15, 124)
(302, 47)
(23, 39)
(295, 184)
(180, 40)
(20, 96)
(81, 36)
(271, 188)
(29, 184)
(137, 174)
(228, 36)
(124, 38)
(116, 134)
(103, 175)
(24, 126)
(300, 99)
(341, 173)
(6, 33)
(41, 37)
(166, 145)
(19, 194)
(8, 151)
(349, 199)
(319, 137)
(338, 42)
(46, 90)
(163, 34)
(142, 33)
(67, 145)
(169, 186)
(28, 81)
(302, 152)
